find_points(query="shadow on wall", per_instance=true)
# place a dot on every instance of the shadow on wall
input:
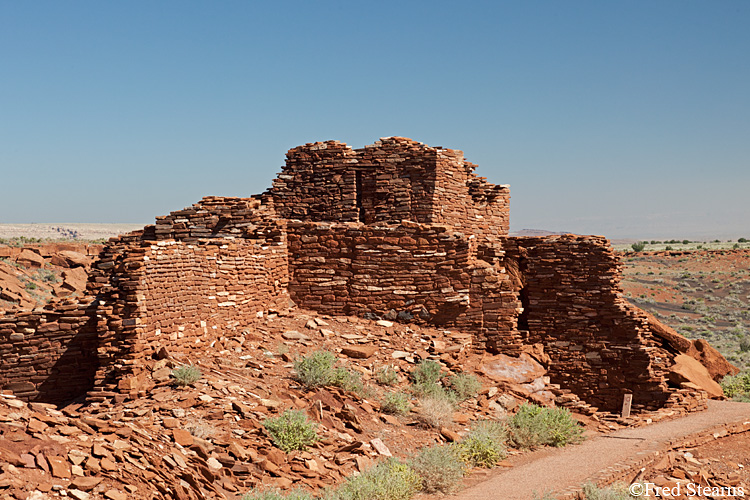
(72, 374)
(50, 355)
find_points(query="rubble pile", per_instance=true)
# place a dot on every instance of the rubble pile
(208, 440)
(682, 474)
(32, 275)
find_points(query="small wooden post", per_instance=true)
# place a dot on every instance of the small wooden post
(626, 402)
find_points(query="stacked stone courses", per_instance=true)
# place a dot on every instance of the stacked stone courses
(392, 180)
(601, 346)
(199, 273)
(50, 353)
(421, 273)
(397, 230)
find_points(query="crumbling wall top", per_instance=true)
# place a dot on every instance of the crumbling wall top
(393, 179)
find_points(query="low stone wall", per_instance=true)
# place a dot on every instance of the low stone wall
(48, 354)
(601, 347)
(199, 273)
(181, 296)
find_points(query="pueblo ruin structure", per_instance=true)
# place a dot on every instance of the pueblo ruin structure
(396, 230)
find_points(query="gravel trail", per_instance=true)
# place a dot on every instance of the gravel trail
(564, 468)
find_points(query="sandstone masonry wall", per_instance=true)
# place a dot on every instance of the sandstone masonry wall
(411, 272)
(601, 347)
(392, 180)
(228, 264)
(48, 354)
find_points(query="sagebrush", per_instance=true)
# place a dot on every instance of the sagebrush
(291, 430)
(484, 446)
(274, 494)
(464, 386)
(436, 412)
(315, 370)
(319, 369)
(427, 372)
(533, 426)
(387, 376)
(614, 492)
(737, 386)
(439, 467)
(389, 480)
(186, 375)
(395, 403)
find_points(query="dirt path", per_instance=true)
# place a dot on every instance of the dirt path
(565, 468)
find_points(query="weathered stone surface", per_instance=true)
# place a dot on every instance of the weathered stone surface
(182, 437)
(27, 258)
(688, 369)
(508, 369)
(718, 367)
(78, 494)
(380, 447)
(359, 351)
(716, 364)
(59, 467)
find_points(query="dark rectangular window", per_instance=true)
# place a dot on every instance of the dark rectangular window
(360, 208)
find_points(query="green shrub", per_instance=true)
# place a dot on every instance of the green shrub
(439, 467)
(742, 240)
(395, 403)
(427, 372)
(614, 492)
(434, 391)
(425, 382)
(186, 375)
(389, 480)
(319, 369)
(484, 446)
(386, 376)
(745, 344)
(291, 430)
(349, 381)
(737, 386)
(464, 386)
(274, 494)
(47, 276)
(315, 370)
(534, 426)
(638, 246)
(436, 411)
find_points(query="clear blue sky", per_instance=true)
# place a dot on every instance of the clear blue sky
(628, 119)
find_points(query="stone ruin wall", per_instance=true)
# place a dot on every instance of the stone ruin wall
(209, 269)
(199, 273)
(392, 180)
(601, 346)
(48, 354)
(421, 273)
